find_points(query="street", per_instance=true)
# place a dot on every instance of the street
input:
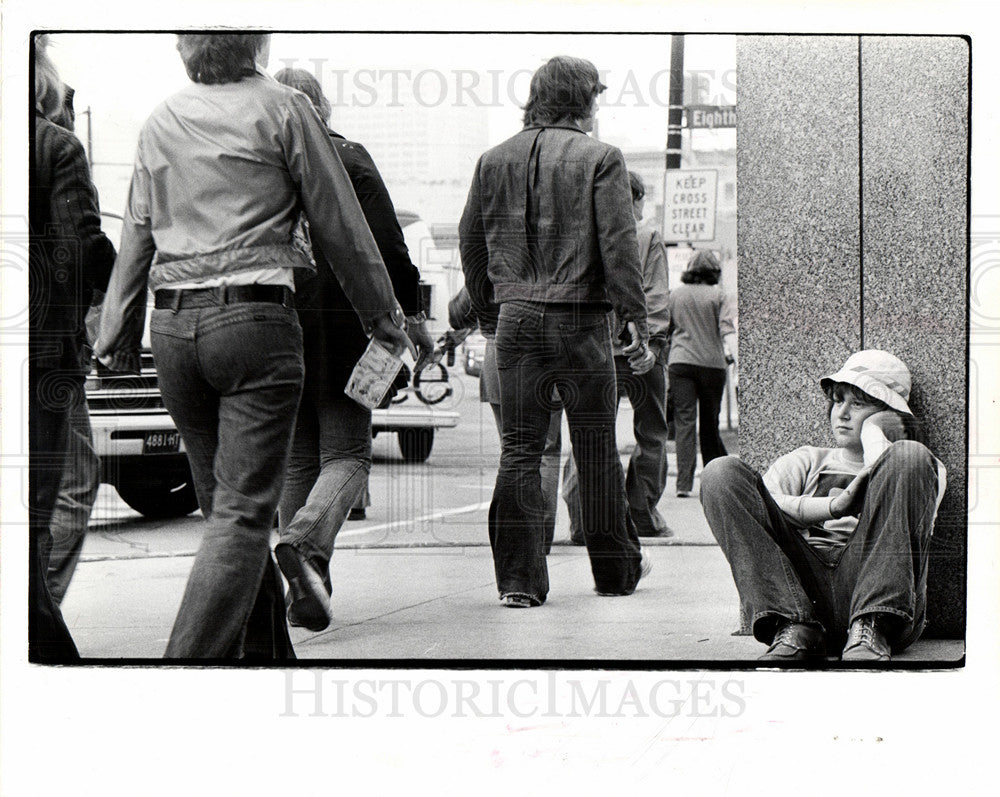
(442, 501)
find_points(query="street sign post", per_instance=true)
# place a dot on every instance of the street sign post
(689, 205)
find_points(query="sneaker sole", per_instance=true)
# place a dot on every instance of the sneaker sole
(309, 606)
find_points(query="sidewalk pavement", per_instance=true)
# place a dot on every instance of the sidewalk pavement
(437, 605)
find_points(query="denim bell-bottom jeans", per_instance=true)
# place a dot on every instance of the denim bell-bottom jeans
(539, 348)
(231, 377)
(327, 473)
(646, 475)
(881, 570)
(489, 391)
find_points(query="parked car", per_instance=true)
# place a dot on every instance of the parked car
(142, 453)
(473, 352)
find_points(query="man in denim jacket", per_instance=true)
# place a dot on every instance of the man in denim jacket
(548, 235)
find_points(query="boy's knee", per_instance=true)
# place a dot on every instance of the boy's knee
(721, 472)
(909, 456)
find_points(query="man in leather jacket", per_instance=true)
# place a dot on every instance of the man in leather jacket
(548, 235)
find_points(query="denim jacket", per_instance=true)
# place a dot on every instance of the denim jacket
(221, 176)
(549, 219)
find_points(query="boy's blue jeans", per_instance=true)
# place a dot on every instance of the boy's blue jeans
(231, 377)
(539, 347)
(882, 569)
(327, 473)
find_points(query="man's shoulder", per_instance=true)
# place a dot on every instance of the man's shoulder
(582, 145)
(352, 154)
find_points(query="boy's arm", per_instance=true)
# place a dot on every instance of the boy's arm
(785, 481)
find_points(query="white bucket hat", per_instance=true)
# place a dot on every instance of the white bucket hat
(879, 374)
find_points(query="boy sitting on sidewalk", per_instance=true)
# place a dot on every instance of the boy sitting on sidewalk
(830, 547)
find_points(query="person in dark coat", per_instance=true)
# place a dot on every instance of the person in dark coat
(69, 255)
(548, 235)
(332, 447)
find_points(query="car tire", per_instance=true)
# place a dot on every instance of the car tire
(171, 498)
(415, 444)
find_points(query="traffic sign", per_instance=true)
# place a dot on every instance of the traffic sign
(689, 204)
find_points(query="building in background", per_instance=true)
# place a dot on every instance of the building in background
(426, 154)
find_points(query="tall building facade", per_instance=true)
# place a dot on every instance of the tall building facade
(426, 154)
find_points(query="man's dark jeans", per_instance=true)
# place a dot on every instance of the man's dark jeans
(647, 466)
(881, 570)
(231, 377)
(540, 347)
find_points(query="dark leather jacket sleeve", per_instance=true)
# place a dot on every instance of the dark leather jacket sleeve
(617, 240)
(475, 256)
(66, 232)
(380, 214)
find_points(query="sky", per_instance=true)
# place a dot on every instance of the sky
(122, 77)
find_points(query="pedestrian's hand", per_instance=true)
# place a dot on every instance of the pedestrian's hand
(421, 338)
(852, 498)
(642, 361)
(636, 341)
(393, 338)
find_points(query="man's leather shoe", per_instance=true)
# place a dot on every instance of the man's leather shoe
(645, 568)
(308, 600)
(795, 642)
(865, 642)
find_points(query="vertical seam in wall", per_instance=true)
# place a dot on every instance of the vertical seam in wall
(861, 204)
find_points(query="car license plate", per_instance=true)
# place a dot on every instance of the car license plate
(161, 442)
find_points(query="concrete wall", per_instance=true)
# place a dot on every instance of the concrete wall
(852, 179)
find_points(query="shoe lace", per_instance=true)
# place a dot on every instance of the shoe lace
(865, 633)
(783, 634)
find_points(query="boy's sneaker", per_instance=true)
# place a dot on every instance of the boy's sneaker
(795, 642)
(865, 642)
(308, 601)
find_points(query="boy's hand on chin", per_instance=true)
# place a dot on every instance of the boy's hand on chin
(890, 423)
(850, 501)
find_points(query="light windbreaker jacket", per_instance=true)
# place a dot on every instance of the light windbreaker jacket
(221, 176)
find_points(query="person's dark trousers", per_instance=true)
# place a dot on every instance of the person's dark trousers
(697, 393)
(647, 468)
(51, 393)
(327, 473)
(646, 475)
(231, 377)
(881, 570)
(551, 457)
(81, 479)
(540, 347)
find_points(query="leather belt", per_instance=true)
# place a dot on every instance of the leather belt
(188, 298)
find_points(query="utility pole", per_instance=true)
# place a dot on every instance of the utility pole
(675, 110)
(675, 118)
